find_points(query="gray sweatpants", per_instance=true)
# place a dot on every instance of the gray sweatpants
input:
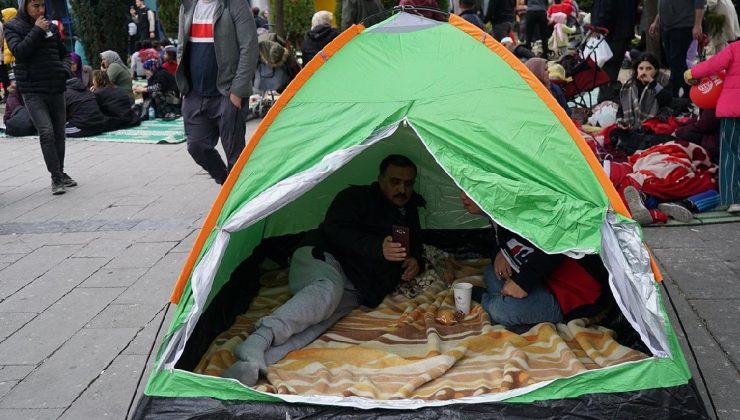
(322, 295)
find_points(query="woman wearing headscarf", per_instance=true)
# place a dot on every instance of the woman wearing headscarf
(161, 86)
(538, 67)
(81, 72)
(117, 71)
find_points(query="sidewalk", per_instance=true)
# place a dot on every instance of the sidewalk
(85, 277)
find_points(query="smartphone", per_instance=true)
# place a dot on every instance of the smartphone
(402, 235)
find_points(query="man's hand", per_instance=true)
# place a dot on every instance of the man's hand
(512, 289)
(152, 35)
(236, 100)
(393, 251)
(42, 23)
(501, 267)
(654, 28)
(411, 269)
(696, 32)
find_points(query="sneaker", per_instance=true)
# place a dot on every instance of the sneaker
(676, 211)
(67, 181)
(640, 213)
(57, 186)
(734, 208)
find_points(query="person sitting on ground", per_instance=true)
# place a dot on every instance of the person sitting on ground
(468, 12)
(538, 66)
(349, 260)
(161, 88)
(520, 51)
(321, 33)
(81, 71)
(170, 59)
(526, 286)
(17, 120)
(113, 103)
(118, 74)
(137, 70)
(644, 93)
(84, 117)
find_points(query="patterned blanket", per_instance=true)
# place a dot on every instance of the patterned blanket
(399, 350)
(155, 132)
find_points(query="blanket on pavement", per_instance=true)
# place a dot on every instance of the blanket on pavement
(155, 132)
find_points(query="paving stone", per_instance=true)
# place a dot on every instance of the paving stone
(10, 322)
(144, 254)
(699, 273)
(114, 277)
(187, 244)
(721, 317)
(73, 238)
(118, 212)
(51, 286)
(67, 374)
(6, 386)
(104, 247)
(4, 265)
(10, 258)
(23, 244)
(31, 414)
(722, 376)
(155, 286)
(110, 395)
(131, 315)
(672, 237)
(15, 372)
(166, 235)
(41, 337)
(33, 265)
(144, 340)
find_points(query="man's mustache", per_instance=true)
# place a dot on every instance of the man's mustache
(400, 195)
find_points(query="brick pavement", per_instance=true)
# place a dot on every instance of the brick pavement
(85, 277)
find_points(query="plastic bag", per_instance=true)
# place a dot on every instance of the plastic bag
(598, 50)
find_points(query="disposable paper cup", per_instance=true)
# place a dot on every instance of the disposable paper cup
(462, 293)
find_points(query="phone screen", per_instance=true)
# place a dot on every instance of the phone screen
(401, 234)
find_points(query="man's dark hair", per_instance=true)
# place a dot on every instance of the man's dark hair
(396, 160)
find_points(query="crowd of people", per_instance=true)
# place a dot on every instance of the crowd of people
(643, 128)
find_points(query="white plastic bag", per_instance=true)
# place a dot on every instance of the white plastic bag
(598, 50)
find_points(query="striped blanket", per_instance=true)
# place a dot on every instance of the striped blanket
(155, 132)
(399, 350)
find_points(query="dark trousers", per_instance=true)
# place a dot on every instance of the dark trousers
(207, 119)
(49, 116)
(611, 68)
(676, 43)
(501, 30)
(537, 21)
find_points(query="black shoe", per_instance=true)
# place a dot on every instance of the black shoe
(57, 186)
(67, 181)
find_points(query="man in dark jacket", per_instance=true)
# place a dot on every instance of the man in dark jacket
(355, 11)
(218, 56)
(619, 17)
(321, 33)
(146, 21)
(84, 118)
(42, 67)
(350, 260)
(501, 15)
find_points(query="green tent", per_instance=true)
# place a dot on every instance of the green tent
(472, 117)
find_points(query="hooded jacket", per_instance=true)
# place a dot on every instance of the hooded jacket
(42, 64)
(315, 40)
(117, 106)
(8, 14)
(235, 42)
(82, 108)
(355, 11)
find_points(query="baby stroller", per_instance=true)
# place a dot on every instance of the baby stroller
(582, 73)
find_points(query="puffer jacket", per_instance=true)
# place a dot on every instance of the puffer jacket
(42, 65)
(82, 108)
(8, 13)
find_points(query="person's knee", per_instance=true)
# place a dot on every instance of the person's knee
(197, 149)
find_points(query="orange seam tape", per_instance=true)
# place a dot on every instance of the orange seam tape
(210, 221)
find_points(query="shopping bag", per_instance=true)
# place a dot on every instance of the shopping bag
(598, 50)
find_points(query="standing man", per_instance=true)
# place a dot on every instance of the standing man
(218, 57)
(619, 17)
(146, 21)
(42, 67)
(355, 11)
(679, 22)
(501, 15)
(351, 259)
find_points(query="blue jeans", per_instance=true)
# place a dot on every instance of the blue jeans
(48, 113)
(540, 304)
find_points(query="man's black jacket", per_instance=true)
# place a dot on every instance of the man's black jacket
(356, 223)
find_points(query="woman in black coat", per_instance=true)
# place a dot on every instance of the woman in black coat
(84, 118)
(321, 33)
(114, 103)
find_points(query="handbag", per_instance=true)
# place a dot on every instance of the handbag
(598, 49)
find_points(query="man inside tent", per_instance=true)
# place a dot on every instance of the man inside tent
(526, 286)
(351, 259)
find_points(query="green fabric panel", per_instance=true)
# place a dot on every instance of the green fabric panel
(178, 383)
